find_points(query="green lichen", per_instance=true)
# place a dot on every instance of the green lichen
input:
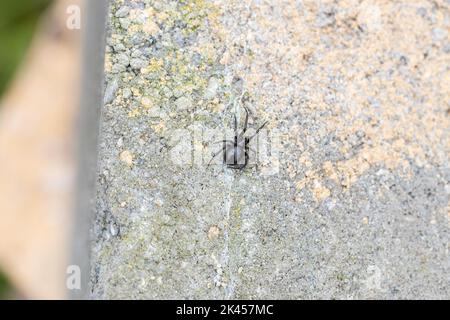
(180, 71)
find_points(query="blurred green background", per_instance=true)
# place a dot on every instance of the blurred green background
(18, 20)
(6, 290)
(17, 23)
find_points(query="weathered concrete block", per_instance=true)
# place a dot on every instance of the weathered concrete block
(347, 192)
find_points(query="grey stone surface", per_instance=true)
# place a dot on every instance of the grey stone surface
(348, 193)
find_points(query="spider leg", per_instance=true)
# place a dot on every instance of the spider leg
(242, 95)
(251, 165)
(257, 131)
(246, 120)
(217, 153)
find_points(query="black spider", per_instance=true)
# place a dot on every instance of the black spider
(235, 153)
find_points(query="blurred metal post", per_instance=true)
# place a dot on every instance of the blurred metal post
(94, 29)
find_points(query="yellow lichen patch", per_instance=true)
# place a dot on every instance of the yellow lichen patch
(207, 50)
(136, 92)
(213, 232)
(108, 62)
(134, 113)
(300, 184)
(149, 12)
(330, 172)
(126, 157)
(387, 112)
(134, 28)
(319, 191)
(225, 58)
(305, 160)
(175, 73)
(146, 102)
(349, 170)
(162, 16)
(159, 127)
(150, 27)
(154, 65)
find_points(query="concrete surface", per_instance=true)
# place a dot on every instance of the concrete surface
(350, 197)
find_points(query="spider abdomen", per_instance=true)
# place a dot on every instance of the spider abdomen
(235, 155)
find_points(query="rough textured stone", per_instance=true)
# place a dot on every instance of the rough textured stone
(352, 200)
